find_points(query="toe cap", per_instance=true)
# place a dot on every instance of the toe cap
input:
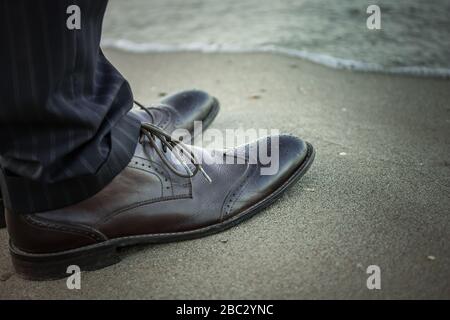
(287, 154)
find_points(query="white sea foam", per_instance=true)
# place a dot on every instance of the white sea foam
(322, 59)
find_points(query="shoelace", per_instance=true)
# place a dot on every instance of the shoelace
(146, 109)
(152, 132)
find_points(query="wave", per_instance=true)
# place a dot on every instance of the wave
(322, 59)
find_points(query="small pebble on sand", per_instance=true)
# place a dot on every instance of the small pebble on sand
(342, 153)
(310, 189)
(431, 258)
(224, 240)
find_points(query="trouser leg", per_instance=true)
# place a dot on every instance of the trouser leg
(64, 128)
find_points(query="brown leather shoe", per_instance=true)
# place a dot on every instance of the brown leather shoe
(155, 199)
(177, 111)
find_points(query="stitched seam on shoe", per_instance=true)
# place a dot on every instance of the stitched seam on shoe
(238, 194)
(166, 175)
(79, 230)
(144, 170)
(159, 170)
(157, 167)
(234, 191)
(143, 203)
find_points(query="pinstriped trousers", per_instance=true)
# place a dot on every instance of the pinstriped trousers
(65, 130)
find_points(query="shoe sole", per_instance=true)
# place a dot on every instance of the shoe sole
(54, 265)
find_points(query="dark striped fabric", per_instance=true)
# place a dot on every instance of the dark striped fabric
(65, 131)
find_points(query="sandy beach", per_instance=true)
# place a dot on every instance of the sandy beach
(377, 194)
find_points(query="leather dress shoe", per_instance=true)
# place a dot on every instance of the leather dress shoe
(177, 111)
(161, 196)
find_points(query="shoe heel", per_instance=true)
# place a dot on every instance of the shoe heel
(54, 265)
